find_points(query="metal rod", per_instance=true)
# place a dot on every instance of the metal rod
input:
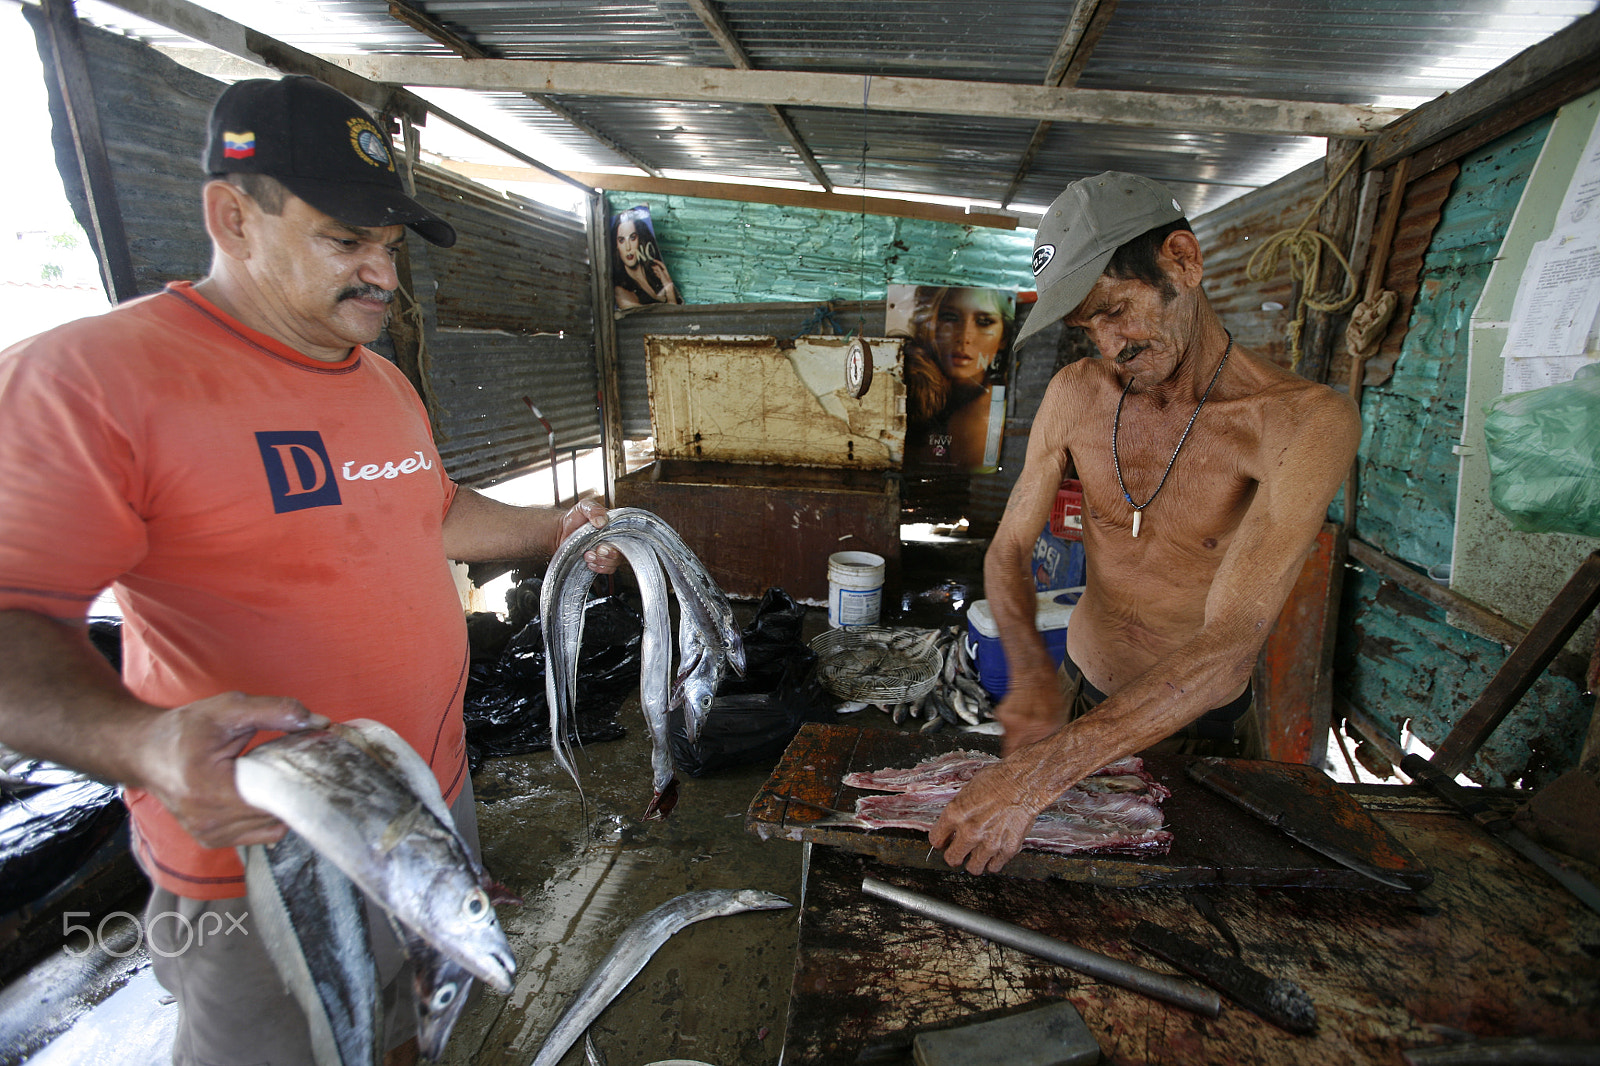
(555, 481)
(1175, 991)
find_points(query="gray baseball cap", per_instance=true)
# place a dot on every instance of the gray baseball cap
(1079, 233)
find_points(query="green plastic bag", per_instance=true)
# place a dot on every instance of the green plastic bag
(1544, 456)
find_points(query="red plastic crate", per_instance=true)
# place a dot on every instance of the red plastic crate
(1066, 517)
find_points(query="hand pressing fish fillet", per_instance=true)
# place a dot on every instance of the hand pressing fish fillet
(642, 939)
(364, 818)
(1115, 810)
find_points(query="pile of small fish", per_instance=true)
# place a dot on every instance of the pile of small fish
(709, 640)
(365, 817)
(956, 699)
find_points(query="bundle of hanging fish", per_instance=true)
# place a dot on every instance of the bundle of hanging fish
(956, 699)
(366, 818)
(709, 642)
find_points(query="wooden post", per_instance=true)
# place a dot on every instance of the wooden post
(605, 343)
(1338, 221)
(1382, 243)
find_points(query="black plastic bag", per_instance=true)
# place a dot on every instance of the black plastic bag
(51, 820)
(505, 708)
(753, 718)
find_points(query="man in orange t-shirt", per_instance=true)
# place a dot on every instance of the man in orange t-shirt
(264, 495)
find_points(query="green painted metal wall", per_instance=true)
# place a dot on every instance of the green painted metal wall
(1398, 660)
(721, 251)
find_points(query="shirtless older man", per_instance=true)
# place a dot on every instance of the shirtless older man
(1207, 472)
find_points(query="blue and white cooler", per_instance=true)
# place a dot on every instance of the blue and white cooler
(1052, 613)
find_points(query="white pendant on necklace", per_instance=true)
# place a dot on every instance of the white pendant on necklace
(1137, 517)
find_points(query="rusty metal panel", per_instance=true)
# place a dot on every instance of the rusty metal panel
(783, 320)
(759, 527)
(750, 400)
(1420, 209)
(1258, 313)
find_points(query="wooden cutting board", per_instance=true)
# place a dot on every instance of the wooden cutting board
(1216, 841)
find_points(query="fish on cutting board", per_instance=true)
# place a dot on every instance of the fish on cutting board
(1117, 810)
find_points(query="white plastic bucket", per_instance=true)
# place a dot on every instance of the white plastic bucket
(855, 589)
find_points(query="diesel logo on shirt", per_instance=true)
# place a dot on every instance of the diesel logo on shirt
(299, 474)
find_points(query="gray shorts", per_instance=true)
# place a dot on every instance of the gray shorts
(233, 1009)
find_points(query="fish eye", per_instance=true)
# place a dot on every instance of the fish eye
(443, 996)
(477, 905)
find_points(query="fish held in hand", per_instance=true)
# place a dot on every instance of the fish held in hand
(709, 639)
(313, 924)
(364, 817)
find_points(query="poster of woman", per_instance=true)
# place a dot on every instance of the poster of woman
(955, 357)
(638, 275)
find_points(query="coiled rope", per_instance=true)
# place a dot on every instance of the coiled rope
(1304, 250)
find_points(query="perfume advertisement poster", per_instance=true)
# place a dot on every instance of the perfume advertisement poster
(957, 353)
(639, 276)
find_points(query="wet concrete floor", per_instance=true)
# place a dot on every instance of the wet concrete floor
(717, 992)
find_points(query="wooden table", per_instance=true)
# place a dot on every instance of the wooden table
(1491, 948)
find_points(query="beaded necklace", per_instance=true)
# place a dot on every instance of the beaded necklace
(1138, 508)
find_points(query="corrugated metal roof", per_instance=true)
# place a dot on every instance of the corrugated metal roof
(1390, 53)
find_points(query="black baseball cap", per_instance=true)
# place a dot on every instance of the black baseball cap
(322, 145)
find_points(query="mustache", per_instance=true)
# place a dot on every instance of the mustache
(367, 292)
(1130, 353)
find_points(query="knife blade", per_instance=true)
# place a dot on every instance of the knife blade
(1500, 827)
(1311, 808)
(1283, 1003)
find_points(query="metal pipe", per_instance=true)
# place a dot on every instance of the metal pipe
(1175, 991)
(555, 481)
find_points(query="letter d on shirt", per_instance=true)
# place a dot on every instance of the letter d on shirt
(299, 474)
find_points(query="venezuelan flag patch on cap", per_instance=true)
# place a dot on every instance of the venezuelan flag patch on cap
(238, 145)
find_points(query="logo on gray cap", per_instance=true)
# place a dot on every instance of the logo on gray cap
(1042, 256)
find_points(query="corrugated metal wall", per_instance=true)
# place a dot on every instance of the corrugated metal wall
(1398, 660)
(1257, 313)
(153, 120)
(514, 319)
(507, 311)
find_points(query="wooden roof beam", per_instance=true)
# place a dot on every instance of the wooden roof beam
(852, 202)
(784, 88)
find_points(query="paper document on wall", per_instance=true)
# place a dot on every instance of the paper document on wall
(1557, 307)
(1581, 205)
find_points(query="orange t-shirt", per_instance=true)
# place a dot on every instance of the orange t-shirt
(270, 523)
